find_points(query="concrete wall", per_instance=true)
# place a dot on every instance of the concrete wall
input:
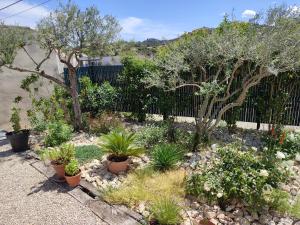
(10, 84)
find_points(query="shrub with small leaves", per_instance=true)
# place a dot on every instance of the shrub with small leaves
(166, 156)
(72, 168)
(236, 174)
(105, 123)
(57, 133)
(166, 212)
(151, 135)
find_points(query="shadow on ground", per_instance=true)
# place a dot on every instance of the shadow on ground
(49, 185)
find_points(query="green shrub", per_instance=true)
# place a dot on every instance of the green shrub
(166, 156)
(237, 174)
(97, 99)
(15, 119)
(72, 168)
(135, 91)
(105, 123)
(87, 153)
(166, 212)
(61, 155)
(120, 143)
(151, 135)
(57, 133)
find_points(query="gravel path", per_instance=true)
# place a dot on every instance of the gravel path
(28, 198)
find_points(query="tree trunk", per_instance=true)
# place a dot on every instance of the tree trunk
(75, 99)
(202, 135)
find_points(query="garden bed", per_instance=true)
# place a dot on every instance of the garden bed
(141, 186)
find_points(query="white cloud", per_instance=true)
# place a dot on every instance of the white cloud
(248, 13)
(28, 18)
(141, 29)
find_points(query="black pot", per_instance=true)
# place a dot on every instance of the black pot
(18, 140)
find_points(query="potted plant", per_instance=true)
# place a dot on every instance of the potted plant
(72, 173)
(119, 145)
(18, 138)
(59, 157)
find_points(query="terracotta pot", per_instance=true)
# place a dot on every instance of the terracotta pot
(59, 169)
(73, 181)
(116, 165)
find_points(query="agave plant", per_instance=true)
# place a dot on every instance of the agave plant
(120, 143)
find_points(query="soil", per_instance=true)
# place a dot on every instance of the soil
(114, 158)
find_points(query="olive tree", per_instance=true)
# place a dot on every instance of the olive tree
(223, 64)
(67, 32)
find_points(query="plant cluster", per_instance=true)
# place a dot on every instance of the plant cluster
(61, 155)
(57, 133)
(166, 156)
(15, 115)
(96, 99)
(237, 174)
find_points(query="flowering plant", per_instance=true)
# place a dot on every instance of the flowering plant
(236, 174)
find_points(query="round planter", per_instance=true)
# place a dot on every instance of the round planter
(73, 181)
(117, 165)
(18, 140)
(59, 169)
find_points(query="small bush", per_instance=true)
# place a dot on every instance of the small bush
(105, 123)
(57, 133)
(87, 153)
(239, 175)
(72, 168)
(146, 185)
(166, 211)
(97, 99)
(151, 135)
(166, 156)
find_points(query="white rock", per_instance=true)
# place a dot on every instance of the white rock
(210, 214)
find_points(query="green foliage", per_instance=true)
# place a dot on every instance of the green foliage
(97, 99)
(134, 90)
(152, 134)
(72, 168)
(166, 212)
(49, 110)
(61, 155)
(290, 144)
(166, 156)
(105, 123)
(57, 133)
(87, 153)
(237, 174)
(15, 119)
(120, 143)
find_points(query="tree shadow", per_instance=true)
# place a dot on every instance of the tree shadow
(49, 185)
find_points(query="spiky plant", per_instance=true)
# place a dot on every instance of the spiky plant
(166, 156)
(120, 143)
(166, 211)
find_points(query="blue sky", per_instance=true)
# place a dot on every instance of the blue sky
(141, 19)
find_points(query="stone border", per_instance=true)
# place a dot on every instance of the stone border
(89, 196)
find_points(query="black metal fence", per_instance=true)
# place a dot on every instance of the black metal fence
(247, 112)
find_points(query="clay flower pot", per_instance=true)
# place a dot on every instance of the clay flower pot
(73, 181)
(59, 169)
(117, 164)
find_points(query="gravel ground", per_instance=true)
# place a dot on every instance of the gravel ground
(28, 198)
